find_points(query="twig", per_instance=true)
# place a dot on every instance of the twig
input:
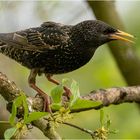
(80, 128)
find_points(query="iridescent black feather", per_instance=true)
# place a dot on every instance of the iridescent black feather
(54, 48)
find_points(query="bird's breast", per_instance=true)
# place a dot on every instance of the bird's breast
(67, 61)
(51, 61)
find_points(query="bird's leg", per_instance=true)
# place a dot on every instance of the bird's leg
(67, 90)
(32, 84)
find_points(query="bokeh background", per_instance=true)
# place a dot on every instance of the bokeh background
(100, 72)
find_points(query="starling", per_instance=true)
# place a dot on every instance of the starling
(54, 48)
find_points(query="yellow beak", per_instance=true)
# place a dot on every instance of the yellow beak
(120, 35)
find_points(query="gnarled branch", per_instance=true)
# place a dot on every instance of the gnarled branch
(118, 95)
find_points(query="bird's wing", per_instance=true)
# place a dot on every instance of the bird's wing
(48, 36)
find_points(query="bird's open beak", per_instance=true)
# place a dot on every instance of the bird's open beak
(120, 35)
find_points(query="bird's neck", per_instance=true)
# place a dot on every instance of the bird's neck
(78, 38)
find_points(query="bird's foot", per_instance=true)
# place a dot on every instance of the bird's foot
(46, 102)
(46, 105)
(67, 90)
(46, 98)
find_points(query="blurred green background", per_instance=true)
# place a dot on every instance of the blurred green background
(100, 72)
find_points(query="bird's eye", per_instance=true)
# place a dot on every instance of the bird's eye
(109, 31)
(105, 32)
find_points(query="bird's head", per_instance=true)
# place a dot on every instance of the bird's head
(96, 33)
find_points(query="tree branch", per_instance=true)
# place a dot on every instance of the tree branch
(118, 95)
(10, 91)
(113, 96)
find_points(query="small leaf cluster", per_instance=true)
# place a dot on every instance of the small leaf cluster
(19, 127)
(62, 112)
(75, 102)
(104, 131)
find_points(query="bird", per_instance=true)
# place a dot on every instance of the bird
(54, 48)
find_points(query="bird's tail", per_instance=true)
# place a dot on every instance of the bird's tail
(2, 45)
(5, 40)
(12, 39)
(4, 37)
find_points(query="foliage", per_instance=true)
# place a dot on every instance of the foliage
(75, 101)
(19, 127)
(104, 131)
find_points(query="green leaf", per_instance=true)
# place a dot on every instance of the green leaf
(56, 106)
(35, 116)
(56, 94)
(13, 115)
(75, 92)
(108, 122)
(17, 102)
(84, 104)
(25, 106)
(65, 80)
(9, 133)
(101, 117)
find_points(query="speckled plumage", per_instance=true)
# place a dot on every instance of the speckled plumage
(53, 48)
